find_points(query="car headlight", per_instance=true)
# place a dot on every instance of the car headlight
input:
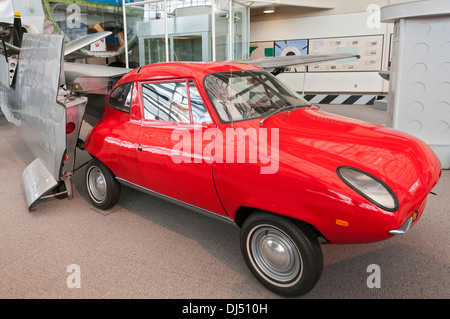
(369, 187)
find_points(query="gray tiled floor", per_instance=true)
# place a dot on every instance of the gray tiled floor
(148, 248)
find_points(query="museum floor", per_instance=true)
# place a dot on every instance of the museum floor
(147, 248)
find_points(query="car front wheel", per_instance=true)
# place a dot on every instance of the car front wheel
(101, 185)
(284, 256)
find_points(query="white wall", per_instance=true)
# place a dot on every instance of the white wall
(324, 26)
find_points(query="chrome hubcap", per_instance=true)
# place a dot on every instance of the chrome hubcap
(97, 184)
(275, 255)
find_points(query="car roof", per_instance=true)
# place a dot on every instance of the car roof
(174, 70)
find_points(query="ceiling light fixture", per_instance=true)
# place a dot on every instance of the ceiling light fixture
(269, 10)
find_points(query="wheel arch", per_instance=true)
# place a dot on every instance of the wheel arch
(244, 212)
(93, 157)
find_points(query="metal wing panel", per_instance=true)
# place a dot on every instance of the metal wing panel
(42, 120)
(287, 61)
(80, 43)
(37, 180)
(76, 70)
(73, 71)
(31, 104)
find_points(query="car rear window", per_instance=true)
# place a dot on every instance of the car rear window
(120, 97)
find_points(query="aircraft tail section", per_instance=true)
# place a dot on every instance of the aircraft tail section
(32, 104)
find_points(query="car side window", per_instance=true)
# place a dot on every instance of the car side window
(166, 101)
(120, 97)
(199, 112)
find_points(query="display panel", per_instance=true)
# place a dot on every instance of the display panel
(261, 50)
(289, 48)
(369, 48)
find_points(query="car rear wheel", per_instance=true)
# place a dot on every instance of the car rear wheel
(284, 256)
(101, 185)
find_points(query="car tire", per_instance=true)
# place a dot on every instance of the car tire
(102, 187)
(284, 256)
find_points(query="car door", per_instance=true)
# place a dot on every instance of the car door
(175, 143)
(117, 132)
(130, 133)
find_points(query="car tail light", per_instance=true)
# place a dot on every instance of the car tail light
(70, 127)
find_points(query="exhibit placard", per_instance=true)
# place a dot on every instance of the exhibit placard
(369, 48)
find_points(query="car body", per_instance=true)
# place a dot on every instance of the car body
(286, 172)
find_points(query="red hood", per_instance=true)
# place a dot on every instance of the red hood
(312, 144)
(400, 160)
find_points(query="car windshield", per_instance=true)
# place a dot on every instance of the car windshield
(243, 95)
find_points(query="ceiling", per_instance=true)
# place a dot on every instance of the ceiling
(286, 8)
(322, 4)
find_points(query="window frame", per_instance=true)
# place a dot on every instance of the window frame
(251, 72)
(203, 101)
(124, 108)
(188, 93)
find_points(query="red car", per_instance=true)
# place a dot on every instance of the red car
(231, 140)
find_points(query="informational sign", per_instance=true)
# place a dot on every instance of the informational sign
(289, 48)
(261, 50)
(369, 48)
(99, 46)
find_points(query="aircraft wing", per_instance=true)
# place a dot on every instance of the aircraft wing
(88, 78)
(74, 49)
(86, 40)
(77, 74)
(278, 64)
(70, 49)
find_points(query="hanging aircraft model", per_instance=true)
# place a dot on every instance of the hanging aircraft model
(334, 180)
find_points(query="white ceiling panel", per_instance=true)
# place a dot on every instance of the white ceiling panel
(324, 4)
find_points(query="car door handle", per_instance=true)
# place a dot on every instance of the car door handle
(139, 148)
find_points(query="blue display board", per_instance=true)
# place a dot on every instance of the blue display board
(291, 47)
(111, 2)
